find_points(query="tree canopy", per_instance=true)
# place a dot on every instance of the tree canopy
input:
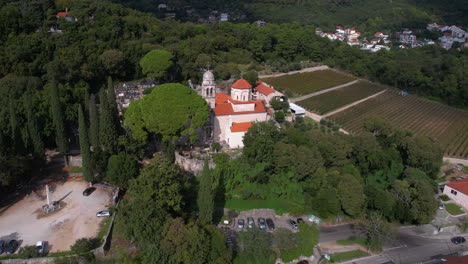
(170, 110)
(156, 63)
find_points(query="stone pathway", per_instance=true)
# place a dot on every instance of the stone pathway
(311, 69)
(352, 104)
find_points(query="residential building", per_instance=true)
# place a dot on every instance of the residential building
(265, 92)
(458, 192)
(432, 26)
(260, 23)
(224, 17)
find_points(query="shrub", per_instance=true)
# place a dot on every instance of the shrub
(444, 198)
(83, 245)
(28, 252)
(279, 116)
(216, 147)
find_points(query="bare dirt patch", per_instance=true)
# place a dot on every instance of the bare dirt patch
(76, 219)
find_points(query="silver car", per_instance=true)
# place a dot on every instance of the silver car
(261, 223)
(105, 213)
(250, 222)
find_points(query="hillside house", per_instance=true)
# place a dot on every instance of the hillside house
(260, 23)
(446, 41)
(432, 26)
(340, 30)
(265, 92)
(458, 192)
(224, 17)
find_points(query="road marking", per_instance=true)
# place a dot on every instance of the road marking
(388, 249)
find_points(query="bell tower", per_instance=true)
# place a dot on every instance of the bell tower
(208, 85)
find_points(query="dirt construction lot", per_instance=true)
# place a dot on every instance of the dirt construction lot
(26, 222)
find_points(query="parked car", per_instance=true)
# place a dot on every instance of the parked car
(292, 223)
(250, 222)
(88, 191)
(303, 262)
(441, 206)
(104, 213)
(11, 247)
(458, 240)
(240, 223)
(40, 247)
(300, 220)
(261, 223)
(270, 224)
(2, 246)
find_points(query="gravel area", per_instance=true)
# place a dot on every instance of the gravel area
(25, 221)
(280, 221)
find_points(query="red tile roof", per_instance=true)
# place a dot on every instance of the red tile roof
(456, 260)
(223, 106)
(262, 88)
(62, 14)
(460, 185)
(241, 127)
(241, 84)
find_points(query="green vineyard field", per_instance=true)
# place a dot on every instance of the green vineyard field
(324, 103)
(309, 82)
(446, 125)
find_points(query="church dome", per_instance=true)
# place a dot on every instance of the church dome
(208, 76)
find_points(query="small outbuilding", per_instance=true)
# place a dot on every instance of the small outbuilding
(458, 192)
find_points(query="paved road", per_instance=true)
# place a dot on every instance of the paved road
(405, 249)
(328, 234)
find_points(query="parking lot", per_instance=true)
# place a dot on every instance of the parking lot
(280, 221)
(26, 222)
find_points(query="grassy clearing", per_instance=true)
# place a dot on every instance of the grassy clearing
(280, 206)
(338, 257)
(454, 209)
(353, 241)
(76, 170)
(309, 82)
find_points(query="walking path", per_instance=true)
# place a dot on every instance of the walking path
(352, 104)
(311, 69)
(322, 91)
(456, 161)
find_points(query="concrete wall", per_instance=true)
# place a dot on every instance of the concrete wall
(236, 139)
(191, 165)
(240, 94)
(459, 198)
(243, 107)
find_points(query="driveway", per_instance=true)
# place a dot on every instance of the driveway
(280, 221)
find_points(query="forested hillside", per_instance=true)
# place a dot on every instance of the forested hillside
(44, 71)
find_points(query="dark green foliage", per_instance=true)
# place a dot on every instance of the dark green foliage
(58, 119)
(444, 197)
(326, 203)
(205, 199)
(84, 147)
(84, 245)
(156, 63)
(255, 246)
(351, 195)
(171, 111)
(121, 169)
(108, 130)
(376, 229)
(259, 141)
(154, 255)
(279, 116)
(28, 252)
(93, 124)
(156, 195)
(252, 78)
(33, 126)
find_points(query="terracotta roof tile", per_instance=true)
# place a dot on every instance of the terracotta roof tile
(460, 185)
(241, 84)
(262, 88)
(62, 14)
(223, 106)
(241, 127)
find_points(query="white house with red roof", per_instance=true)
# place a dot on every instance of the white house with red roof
(458, 192)
(233, 113)
(265, 92)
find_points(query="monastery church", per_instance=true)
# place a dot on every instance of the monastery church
(232, 115)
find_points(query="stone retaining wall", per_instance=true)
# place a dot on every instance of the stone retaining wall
(192, 165)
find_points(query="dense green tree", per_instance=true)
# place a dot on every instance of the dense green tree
(259, 141)
(251, 77)
(108, 132)
(156, 195)
(171, 111)
(254, 247)
(94, 124)
(84, 147)
(205, 198)
(424, 154)
(326, 203)
(84, 245)
(154, 255)
(351, 195)
(58, 120)
(34, 130)
(186, 243)
(121, 169)
(156, 63)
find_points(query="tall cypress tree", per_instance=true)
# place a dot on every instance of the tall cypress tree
(205, 199)
(58, 120)
(107, 129)
(93, 123)
(33, 126)
(113, 103)
(84, 146)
